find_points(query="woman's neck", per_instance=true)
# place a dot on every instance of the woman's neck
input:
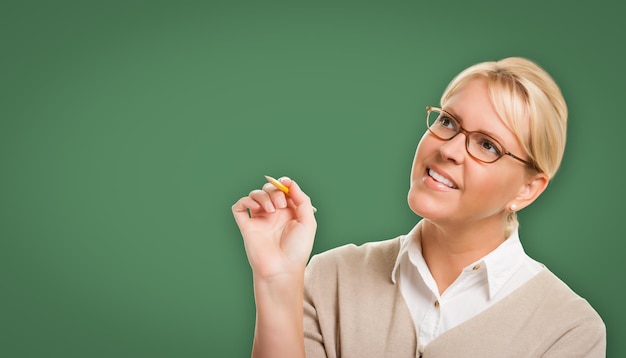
(447, 249)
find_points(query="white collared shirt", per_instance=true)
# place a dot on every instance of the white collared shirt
(479, 286)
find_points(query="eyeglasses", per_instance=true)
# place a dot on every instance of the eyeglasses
(480, 146)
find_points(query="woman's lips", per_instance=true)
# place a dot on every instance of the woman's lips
(441, 178)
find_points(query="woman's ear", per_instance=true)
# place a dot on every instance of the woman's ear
(532, 188)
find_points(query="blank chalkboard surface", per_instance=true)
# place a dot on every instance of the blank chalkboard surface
(129, 128)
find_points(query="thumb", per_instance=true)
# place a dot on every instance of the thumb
(304, 208)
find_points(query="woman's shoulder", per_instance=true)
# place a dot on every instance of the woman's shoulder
(383, 251)
(369, 261)
(339, 276)
(559, 297)
(554, 303)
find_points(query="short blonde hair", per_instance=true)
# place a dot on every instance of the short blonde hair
(525, 96)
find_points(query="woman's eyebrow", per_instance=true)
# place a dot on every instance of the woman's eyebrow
(455, 116)
(460, 120)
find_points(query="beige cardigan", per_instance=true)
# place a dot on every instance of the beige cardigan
(353, 309)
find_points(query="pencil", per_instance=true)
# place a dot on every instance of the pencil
(281, 187)
(277, 184)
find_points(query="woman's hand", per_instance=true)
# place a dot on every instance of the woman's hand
(278, 234)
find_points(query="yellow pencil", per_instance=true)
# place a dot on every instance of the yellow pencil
(281, 187)
(277, 184)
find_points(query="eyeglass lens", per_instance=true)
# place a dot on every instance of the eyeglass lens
(479, 145)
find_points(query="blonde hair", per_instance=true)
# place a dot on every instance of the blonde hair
(524, 96)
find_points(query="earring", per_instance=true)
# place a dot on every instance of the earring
(513, 207)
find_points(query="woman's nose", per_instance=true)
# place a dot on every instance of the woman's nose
(454, 149)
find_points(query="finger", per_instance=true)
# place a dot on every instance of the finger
(263, 198)
(279, 199)
(245, 203)
(241, 207)
(304, 209)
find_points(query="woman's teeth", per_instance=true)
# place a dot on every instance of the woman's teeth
(441, 179)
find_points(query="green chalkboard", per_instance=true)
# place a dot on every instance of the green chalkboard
(129, 128)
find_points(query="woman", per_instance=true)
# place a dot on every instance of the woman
(460, 283)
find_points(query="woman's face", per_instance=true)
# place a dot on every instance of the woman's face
(447, 184)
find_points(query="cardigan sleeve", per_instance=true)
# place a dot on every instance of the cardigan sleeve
(313, 339)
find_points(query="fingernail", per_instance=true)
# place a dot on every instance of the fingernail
(281, 203)
(270, 208)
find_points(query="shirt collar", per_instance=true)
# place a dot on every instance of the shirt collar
(500, 264)
(413, 238)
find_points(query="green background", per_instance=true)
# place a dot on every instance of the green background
(128, 129)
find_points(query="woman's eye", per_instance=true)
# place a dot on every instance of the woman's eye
(447, 123)
(489, 146)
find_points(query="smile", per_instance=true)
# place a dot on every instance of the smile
(441, 179)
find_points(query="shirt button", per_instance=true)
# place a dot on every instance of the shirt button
(476, 267)
(437, 303)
